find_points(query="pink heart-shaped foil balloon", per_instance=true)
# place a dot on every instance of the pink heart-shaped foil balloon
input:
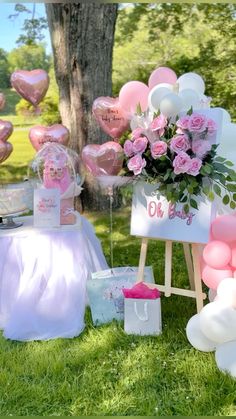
(31, 85)
(110, 116)
(5, 150)
(6, 129)
(2, 101)
(39, 135)
(105, 159)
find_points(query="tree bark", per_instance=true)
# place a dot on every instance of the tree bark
(82, 38)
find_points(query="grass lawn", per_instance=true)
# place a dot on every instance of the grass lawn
(104, 371)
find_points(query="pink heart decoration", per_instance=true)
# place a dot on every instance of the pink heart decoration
(39, 135)
(105, 159)
(31, 85)
(5, 150)
(6, 129)
(110, 116)
(2, 101)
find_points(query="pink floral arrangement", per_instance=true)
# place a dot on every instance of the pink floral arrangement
(181, 158)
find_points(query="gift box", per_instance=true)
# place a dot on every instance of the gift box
(142, 310)
(105, 295)
(67, 213)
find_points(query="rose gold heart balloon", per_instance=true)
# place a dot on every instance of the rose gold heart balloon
(6, 129)
(5, 150)
(105, 159)
(2, 101)
(110, 116)
(39, 135)
(31, 85)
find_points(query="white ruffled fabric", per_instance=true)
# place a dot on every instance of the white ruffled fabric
(43, 276)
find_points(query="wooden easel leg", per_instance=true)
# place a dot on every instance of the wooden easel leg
(197, 277)
(189, 264)
(142, 259)
(168, 267)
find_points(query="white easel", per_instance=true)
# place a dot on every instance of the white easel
(191, 253)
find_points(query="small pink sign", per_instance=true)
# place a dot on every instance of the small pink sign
(46, 207)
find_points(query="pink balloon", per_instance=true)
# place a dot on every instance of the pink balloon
(233, 254)
(217, 254)
(5, 150)
(110, 116)
(212, 277)
(31, 85)
(6, 129)
(105, 159)
(162, 75)
(224, 228)
(2, 101)
(132, 94)
(39, 135)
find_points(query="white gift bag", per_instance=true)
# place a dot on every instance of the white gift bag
(142, 316)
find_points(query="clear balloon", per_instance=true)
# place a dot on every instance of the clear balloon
(195, 336)
(39, 135)
(31, 85)
(110, 116)
(190, 99)
(105, 159)
(217, 254)
(132, 94)
(156, 95)
(162, 75)
(171, 105)
(2, 101)
(191, 81)
(6, 129)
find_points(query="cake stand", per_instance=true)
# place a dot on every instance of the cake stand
(12, 204)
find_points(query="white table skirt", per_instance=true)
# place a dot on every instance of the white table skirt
(43, 274)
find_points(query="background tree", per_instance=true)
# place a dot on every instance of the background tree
(4, 69)
(82, 39)
(29, 57)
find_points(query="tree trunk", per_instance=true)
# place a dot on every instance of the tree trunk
(82, 38)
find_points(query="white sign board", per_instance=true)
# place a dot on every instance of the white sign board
(46, 207)
(157, 218)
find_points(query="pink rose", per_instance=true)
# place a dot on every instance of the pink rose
(211, 125)
(197, 123)
(158, 148)
(137, 132)
(140, 144)
(158, 124)
(180, 143)
(181, 163)
(201, 148)
(128, 148)
(136, 164)
(182, 123)
(195, 166)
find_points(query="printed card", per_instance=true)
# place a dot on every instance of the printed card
(46, 207)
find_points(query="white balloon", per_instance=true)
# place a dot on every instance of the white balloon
(226, 116)
(156, 95)
(225, 357)
(195, 336)
(204, 101)
(227, 146)
(212, 295)
(191, 81)
(218, 322)
(226, 291)
(171, 105)
(190, 98)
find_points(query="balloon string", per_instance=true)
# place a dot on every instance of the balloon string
(110, 193)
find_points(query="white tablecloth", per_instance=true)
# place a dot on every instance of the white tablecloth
(43, 274)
